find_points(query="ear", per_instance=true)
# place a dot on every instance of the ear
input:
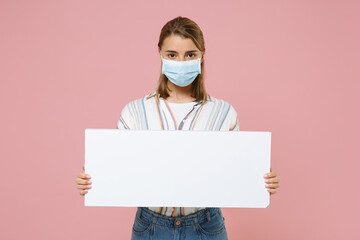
(202, 57)
(159, 53)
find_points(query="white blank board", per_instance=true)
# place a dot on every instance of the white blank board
(159, 168)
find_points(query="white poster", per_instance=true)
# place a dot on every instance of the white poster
(169, 168)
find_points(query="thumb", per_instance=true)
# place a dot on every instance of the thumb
(83, 167)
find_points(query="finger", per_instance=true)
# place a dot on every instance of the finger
(83, 186)
(270, 175)
(83, 192)
(272, 191)
(273, 180)
(274, 185)
(81, 175)
(82, 181)
(84, 175)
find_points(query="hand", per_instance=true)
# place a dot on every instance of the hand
(271, 182)
(83, 182)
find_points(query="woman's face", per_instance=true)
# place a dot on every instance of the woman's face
(179, 49)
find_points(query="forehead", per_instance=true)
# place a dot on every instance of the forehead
(179, 44)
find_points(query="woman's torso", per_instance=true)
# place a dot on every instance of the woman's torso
(149, 114)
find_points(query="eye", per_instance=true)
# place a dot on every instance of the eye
(193, 55)
(171, 54)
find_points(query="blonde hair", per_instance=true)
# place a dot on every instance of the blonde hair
(186, 28)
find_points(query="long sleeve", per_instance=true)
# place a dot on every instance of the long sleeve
(234, 120)
(126, 119)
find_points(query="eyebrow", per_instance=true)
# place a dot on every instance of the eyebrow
(172, 51)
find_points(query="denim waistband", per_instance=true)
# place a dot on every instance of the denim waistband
(198, 217)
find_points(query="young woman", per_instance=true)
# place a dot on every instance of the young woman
(180, 102)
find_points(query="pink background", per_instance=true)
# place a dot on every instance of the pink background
(289, 67)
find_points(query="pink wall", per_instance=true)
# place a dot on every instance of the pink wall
(289, 67)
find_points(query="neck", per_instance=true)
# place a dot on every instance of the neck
(179, 94)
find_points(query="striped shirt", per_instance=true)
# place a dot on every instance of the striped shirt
(149, 114)
(180, 110)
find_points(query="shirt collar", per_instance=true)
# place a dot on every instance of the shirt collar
(153, 94)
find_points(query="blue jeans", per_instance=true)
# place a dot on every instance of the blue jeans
(206, 224)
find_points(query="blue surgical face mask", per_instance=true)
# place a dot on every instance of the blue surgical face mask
(181, 73)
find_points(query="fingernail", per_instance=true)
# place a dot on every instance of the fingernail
(88, 176)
